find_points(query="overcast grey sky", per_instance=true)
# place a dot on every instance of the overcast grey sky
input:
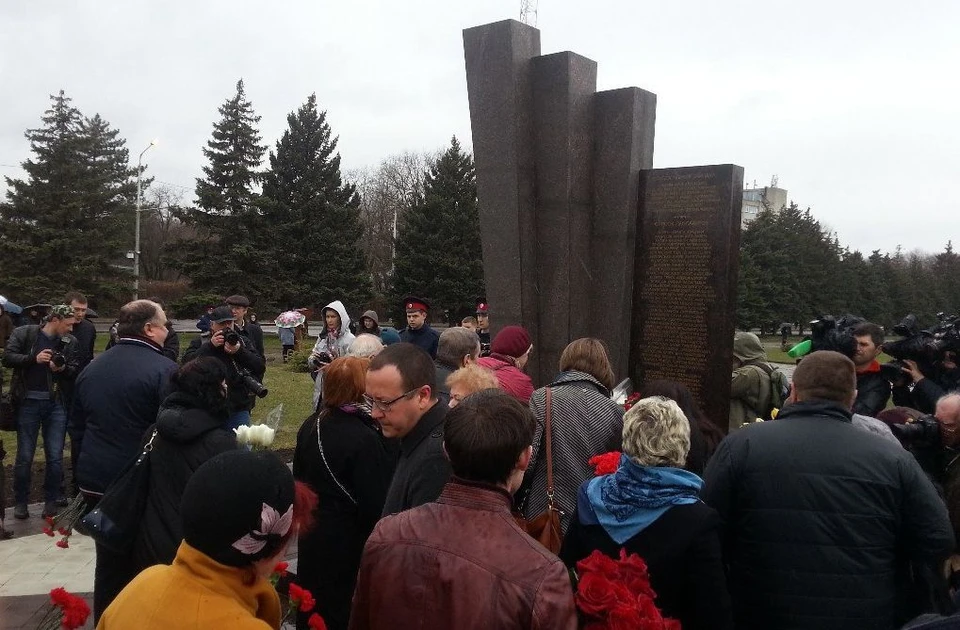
(852, 104)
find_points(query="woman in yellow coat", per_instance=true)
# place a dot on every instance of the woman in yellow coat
(238, 514)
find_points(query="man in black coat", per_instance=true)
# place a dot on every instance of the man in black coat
(86, 334)
(239, 357)
(401, 389)
(820, 518)
(418, 331)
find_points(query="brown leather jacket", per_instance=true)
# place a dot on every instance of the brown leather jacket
(460, 563)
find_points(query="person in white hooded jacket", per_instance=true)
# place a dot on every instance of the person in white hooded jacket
(332, 343)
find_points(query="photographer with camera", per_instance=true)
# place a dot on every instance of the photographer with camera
(919, 391)
(46, 360)
(245, 366)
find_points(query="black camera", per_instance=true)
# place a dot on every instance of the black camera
(231, 336)
(58, 360)
(830, 333)
(253, 386)
(924, 432)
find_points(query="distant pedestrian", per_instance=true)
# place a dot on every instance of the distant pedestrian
(287, 341)
(203, 324)
(483, 327)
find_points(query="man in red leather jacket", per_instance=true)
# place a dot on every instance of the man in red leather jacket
(462, 562)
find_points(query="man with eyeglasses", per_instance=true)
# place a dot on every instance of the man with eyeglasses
(116, 399)
(401, 391)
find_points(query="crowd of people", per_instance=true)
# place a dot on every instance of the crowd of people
(418, 479)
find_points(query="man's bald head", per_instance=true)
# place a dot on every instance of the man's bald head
(825, 375)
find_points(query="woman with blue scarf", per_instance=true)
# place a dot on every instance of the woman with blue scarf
(651, 506)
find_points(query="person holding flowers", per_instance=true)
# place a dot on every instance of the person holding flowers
(650, 506)
(240, 510)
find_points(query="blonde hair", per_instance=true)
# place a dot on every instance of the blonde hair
(656, 433)
(473, 378)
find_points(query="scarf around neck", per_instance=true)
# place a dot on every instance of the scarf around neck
(631, 499)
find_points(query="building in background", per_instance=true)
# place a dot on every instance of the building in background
(755, 199)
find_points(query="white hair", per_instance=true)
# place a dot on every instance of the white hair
(365, 346)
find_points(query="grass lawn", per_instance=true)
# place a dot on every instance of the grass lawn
(292, 389)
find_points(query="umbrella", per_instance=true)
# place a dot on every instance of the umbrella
(92, 313)
(10, 307)
(289, 319)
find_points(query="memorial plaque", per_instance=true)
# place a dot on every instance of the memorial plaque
(685, 279)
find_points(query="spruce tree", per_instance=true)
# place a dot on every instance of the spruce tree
(228, 255)
(70, 221)
(314, 217)
(438, 250)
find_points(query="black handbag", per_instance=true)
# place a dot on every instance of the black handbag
(115, 521)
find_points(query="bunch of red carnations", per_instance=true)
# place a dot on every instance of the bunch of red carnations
(66, 611)
(616, 594)
(631, 401)
(298, 599)
(64, 521)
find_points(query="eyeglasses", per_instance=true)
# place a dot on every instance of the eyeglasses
(384, 405)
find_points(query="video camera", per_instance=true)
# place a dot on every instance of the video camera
(830, 333)
(926, 347)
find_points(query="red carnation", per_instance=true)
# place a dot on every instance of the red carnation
(316, 622)
(48, 531)
(281, 569)
(302, 598)
(63, 531)
(74, 610)
(63, 544)
(605, 464)
(49, 520)
(59, 596)
(631, 401)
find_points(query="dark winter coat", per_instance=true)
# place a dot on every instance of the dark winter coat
(424, 337)
(926, 392)
(19, 354)
(171, 345)
(682, 552)
(86, 334)
(187, 436)
(361, 460)
(252, 332)
(117, 397)
(873, 392)
(819, 517)
(422, 468)
(585, 423)
(239, 397)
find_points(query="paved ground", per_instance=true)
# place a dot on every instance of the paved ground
(31, 565)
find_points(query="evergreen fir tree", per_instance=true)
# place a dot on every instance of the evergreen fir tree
(228, 255)
(70, 221)
(314, 217)
(438, 249)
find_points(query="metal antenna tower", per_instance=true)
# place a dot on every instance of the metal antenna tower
(528, 12)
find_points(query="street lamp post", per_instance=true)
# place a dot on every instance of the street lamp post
(136, 241)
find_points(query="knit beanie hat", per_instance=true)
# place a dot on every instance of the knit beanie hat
(512, 341)
(237, 507)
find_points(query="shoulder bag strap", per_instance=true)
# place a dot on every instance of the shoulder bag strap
(147, 448)
(548, 430)
(329, 470)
